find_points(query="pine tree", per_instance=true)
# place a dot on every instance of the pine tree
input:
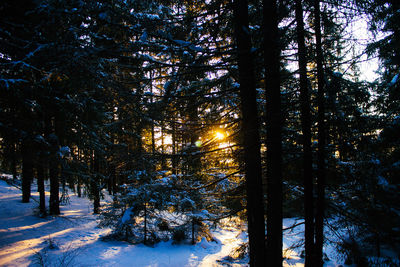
(320, 201)
(251, 139)
(274, 130)
(306, 136)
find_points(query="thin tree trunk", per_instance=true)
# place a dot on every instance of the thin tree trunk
(153, 141)
(113, 179)
(110, 181)
(54, 204)
(306, 129)
(53, 164)
(27, 171)
(96, 197)
(174, 156)
(193, 225)
(274, 129)
(40, 181)
(14, 162)
(320, 206)
(95, 184)
(145, 224)
(78, 182)
(163, 159)
(251, 138)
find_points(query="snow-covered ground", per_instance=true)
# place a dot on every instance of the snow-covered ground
(73, 239)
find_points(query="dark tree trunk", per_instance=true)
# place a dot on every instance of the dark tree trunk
(153, 140)
(27, 171)
(40, 181)
(54, 187)
(193, 225)
(95, 184)
(14, 162)
(320, 206)
(113, 180)
(163, 159)
(251, 138)
(274, 129)
(174, 156)
(54, 204)
(145, 224)
(53, 164)
(78, 180)
(78, 187)
(306, 129)
(96, 198)
(109, 184)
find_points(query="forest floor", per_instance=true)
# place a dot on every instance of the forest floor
(74, 239)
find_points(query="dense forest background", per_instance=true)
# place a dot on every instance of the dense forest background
(209, 109)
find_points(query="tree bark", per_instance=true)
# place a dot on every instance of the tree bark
(54, 204)
(95, 183)
(14, 161)
(320, 206)
(306, 129)
(251, 136)
(274, 130)
(145, 224)
(27, 170)
(78, 177)
(40, 181)
(174, 156)
(163, 159)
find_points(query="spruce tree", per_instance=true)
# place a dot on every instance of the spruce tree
(274, 130)
(250, 135)
(306, 136)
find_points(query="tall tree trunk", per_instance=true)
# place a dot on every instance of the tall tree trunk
(145, 224)
(306, 129)
(320, 207)
(251, 138)
(153, 141)
(54, 204)
(27, 170)
(163, 159)
(78, 182)
(112, 179)
(174, 155)
(193, 225)
(274, 129)
(14, 161)
(40, 181)
(95, 183)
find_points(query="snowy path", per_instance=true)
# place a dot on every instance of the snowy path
(230, 241)
(23, 237)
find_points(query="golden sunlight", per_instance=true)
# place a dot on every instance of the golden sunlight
(219, 135)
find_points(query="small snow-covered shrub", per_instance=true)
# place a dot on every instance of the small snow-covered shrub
(47, 258)
(151, 208)
(240, 252)
(239, 255)
(51, 244)
(202, 230)
(40, 258)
